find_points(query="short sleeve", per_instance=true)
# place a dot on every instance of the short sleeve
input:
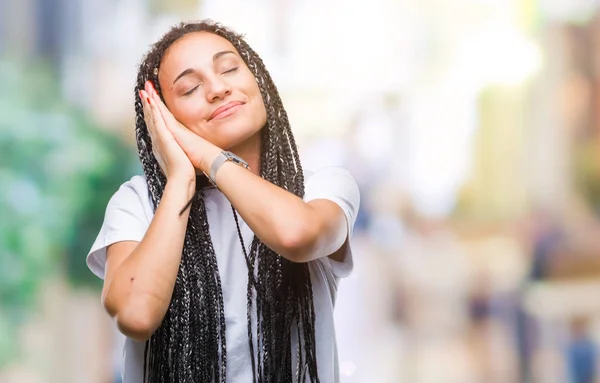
(337, 185)
(126, 219)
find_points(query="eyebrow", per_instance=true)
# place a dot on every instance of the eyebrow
(216, 56)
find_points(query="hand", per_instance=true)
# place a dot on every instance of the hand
(199, 151)
(171, 158)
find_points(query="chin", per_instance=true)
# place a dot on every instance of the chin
(235, 139)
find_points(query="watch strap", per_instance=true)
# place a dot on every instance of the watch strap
(223, 157)
(217, 163)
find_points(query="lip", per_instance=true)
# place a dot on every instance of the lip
(225, 110)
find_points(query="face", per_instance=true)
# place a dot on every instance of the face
(209, 89)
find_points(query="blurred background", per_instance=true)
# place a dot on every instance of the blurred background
(471, 126)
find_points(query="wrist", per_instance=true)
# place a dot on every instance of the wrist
(183, 182)
(220, 160)
(209, 158)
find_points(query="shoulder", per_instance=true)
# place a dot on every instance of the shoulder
(132, 198)
(336, 184)
(133, 190)
(329, 179)
(322, 174)
(136, 184)
(127, 218)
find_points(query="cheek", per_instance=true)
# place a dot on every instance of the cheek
(262, 115)
(190, 116)
(259, 109)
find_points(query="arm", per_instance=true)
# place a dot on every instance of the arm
(140, 276)
(296, 230)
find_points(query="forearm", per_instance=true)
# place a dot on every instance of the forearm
(143, 284)
(279, 218)
(294, 229)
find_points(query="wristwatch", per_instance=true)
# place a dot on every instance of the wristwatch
(223, 157)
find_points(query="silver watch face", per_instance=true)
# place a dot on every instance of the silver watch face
(235, 158)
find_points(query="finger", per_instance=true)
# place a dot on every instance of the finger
(143, 101)
(165, 113)
(153, 125)
(148, 117)
(170, 121)
(145, 97)
(159, 122)
(157, 101)
(148, 86)
(153, 94)
(150, 108)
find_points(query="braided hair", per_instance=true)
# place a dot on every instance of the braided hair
(190, 344)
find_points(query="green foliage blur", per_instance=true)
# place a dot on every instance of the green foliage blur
(57, 172)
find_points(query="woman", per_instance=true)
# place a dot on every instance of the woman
(222, 262)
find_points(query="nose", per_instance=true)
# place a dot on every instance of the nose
(216, 89)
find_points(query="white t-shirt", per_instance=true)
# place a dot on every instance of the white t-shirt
(128, 216)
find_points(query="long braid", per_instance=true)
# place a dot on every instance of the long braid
(284, 146)
(190, 344)
(182, 347)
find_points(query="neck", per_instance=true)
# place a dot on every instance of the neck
(250, 151)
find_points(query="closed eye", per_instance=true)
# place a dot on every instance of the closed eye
(231, 70)
(191, 90)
